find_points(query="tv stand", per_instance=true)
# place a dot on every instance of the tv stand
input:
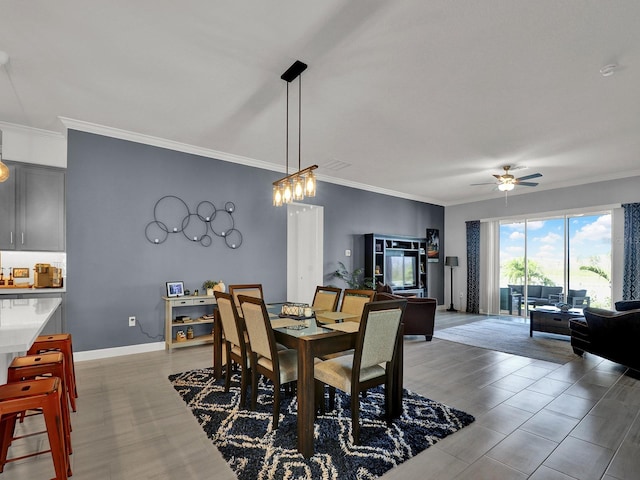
(406, 256)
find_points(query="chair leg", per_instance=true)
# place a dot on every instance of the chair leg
(7, 425)
(276, 404)
(319, 397)
(355, 416)
(227, 379)
(243, 386)
(254, 383)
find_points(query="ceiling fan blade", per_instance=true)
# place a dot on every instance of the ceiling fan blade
(485, 183)
(527, 184)
(528, 177)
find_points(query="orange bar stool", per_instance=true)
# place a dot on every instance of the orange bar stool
(31, 367)
(46, 394)
(60, 342)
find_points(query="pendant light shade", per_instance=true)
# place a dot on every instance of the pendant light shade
(4, 170)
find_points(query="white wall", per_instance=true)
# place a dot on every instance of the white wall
(592, 196)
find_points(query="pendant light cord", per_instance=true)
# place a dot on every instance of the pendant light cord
(287, 136)
(299, 121)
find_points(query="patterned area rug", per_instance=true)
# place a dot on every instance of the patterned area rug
(254, 451)
(505, 335)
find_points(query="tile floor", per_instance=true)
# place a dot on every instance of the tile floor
(534, 419)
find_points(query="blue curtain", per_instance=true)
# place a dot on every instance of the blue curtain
(473, 266)
(631, 272)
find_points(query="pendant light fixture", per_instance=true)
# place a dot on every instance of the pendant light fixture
(4, 170)
(303, 182)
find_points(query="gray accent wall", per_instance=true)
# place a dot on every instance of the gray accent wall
(113, 272)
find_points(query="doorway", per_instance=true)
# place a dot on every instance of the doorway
(305, 247)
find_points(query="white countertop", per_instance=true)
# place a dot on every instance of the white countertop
(22, 291)
(22, 320)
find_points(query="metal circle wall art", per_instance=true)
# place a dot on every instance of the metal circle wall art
(171, 215)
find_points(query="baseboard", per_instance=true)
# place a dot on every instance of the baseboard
(117, 351)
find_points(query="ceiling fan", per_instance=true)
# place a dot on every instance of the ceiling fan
(507, 182)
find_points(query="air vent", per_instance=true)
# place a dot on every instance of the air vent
(336, 165)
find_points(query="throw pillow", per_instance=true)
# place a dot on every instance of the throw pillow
(625, 305)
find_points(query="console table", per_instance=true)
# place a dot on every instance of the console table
(202, 326)
(552, 320)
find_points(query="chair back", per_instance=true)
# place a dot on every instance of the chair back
(258, 325)
(231, 322)
(378, 334)
(326, 299)
(353, 301)
(248, 289)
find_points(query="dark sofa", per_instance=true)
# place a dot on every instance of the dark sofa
(612, 335)
(419, 314)
(538, 294)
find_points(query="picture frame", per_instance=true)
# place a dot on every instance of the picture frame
(433, 245)
(20, 272)
(175, 289)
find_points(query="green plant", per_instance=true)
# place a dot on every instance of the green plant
(514, 271)
(209, 284)
(354, 279)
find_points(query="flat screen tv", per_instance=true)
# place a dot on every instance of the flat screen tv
(401, 271)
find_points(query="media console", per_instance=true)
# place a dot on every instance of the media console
(397, 261)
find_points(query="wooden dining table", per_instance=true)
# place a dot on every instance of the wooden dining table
(312, 341)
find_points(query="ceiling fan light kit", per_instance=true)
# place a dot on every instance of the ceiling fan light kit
(507, 182)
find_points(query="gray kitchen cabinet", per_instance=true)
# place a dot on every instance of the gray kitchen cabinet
(33, 218)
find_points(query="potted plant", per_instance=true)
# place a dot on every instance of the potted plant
(354, 279)
(208, 285)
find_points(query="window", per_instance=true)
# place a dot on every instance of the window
(572, 252)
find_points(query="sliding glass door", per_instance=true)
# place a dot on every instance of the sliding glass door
(561, 259)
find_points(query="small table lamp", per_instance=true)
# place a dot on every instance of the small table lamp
(451, 262)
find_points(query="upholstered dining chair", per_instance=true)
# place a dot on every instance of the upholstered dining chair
(280, 366)
(326, 299)
(371, 363)
(353, 301)
(235, 343)
(248, 289)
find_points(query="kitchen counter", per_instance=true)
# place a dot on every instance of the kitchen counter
(21, 321)
(31, 291)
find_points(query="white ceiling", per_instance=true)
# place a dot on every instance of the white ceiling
(418, 97)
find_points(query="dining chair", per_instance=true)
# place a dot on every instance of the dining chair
(371, 363)
(235, 343)
(280, 366)
(248, 289)
(326, 299)
(353, 301)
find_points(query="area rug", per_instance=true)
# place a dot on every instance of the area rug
(254, 451)
(505, 335)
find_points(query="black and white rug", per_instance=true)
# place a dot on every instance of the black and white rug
(254, 451)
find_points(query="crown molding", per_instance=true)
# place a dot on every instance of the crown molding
(88, 127)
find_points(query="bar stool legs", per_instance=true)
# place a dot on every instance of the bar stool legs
(59, 342)
(31, 367)
(46, 394)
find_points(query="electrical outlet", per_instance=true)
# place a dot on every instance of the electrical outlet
(460, 294)
(132, 321)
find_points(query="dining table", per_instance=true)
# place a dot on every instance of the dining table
(313, 340)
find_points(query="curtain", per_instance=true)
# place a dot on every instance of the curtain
(631, 269)
(490, 267)
(473, 266)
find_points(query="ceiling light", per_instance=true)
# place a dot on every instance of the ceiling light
(303, 182)
(506, 187)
